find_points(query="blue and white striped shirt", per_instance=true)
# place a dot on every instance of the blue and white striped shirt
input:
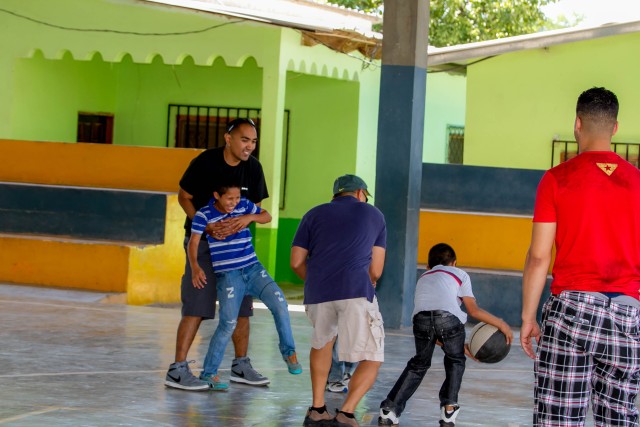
(235, 251)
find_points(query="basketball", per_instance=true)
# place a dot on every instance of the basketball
(488, 344)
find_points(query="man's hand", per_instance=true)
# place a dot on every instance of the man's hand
(219, 230)
(238, 223)
(529, 330)
(198, 278)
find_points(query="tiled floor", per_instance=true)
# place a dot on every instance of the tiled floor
(70, 360)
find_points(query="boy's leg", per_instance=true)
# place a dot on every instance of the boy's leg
(452, 338)
(413, 374)
(260, 284)
(231, 290)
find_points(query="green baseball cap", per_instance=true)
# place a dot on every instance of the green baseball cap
(347, 183)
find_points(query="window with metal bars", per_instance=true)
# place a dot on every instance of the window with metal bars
(455, 144)
(198, 126)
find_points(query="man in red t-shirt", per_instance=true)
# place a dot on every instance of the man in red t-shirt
(589, 345)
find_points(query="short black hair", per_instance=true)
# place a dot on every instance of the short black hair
(598, 105)
(224, 185)
(240, 121)
(441, 254)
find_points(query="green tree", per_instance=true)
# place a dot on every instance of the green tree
(465, 21)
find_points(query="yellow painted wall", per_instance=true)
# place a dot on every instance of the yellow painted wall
(98, 266)
(481, 241)
(94, 165)
(155, 271)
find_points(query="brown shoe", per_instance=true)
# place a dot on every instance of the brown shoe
(342, 420)
(316, 418)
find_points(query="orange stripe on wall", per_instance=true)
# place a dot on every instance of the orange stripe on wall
(481, 241)
(94, 165)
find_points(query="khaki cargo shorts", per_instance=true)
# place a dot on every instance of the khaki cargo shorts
(357, 323)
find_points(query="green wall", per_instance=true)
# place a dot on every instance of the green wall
(518, 102)
(445, 105)
(322, 139)
(137, 94)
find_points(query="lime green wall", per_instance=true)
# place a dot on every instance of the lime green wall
(322, 139)
(518, 102)
(137, 94)
(54, 92)
(445, 105)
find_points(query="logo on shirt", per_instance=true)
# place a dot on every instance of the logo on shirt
(607, 168)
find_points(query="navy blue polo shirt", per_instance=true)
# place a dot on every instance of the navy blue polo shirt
(339, 237)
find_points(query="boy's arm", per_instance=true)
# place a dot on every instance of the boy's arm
(198, 278)
(484, 316)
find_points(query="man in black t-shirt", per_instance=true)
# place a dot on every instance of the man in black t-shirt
(199, 181)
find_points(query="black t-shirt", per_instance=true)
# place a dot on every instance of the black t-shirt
(207, 170)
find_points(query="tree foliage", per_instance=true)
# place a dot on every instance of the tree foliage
(465, 21)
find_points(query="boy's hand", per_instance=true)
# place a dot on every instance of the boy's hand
(467, 352)
(506, 330)
(198, 278)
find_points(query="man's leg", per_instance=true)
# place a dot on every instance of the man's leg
(197, 304)
(320, 363)
(187, 330)
(362, 380)
(240, 337)
(241, 369)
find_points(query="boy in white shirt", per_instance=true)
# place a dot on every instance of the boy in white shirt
(438, 319)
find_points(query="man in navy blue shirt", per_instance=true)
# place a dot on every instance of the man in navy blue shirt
(339, 252)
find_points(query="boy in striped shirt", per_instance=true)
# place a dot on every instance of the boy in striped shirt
(238, 273)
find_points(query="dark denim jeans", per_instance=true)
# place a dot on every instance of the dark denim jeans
(427, 329)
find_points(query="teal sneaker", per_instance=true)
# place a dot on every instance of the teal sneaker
(292, 363)
(215, 383)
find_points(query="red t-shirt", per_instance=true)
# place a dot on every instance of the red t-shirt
(595, 200)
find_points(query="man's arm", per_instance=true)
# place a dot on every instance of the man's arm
(299, 261)
(534, 279)
(186, 203)
(377, 263)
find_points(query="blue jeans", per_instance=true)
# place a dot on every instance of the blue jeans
(427, 329)
(232, 287)
(338, 368)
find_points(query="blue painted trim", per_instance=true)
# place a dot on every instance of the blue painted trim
(92, 214)
(479, 189)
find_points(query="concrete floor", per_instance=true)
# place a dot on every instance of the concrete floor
(70, 359)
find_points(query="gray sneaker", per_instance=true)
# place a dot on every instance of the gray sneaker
(243, 372)
(179, 376)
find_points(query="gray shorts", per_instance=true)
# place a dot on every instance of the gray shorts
(357, 323)
(202, 302)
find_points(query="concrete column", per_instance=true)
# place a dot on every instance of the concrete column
(271, 141)
(399, 152)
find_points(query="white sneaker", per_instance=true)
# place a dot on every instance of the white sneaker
(337, 387)
(388, 418)
(448, 418)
